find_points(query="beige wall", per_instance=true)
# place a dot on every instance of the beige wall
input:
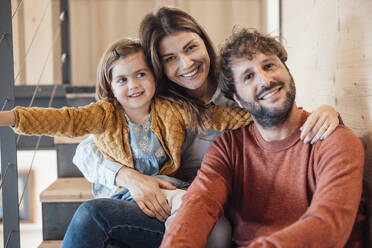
(330, 56)
(95, 24)
(35, 27)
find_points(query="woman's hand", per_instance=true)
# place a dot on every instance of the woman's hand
(146, 192)
(320, 124)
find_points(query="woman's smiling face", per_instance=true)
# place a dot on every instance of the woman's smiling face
(185, 59)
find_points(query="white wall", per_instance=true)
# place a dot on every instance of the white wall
(330, 56)
(44, 173)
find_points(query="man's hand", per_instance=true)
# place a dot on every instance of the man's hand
(146, 192)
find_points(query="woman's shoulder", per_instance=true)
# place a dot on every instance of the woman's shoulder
(219, 99)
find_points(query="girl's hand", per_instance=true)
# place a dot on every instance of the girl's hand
(320, 124)
(146, 192)
(7, 118)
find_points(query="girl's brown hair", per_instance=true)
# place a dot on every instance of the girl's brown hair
(117, 50)
(153, 28)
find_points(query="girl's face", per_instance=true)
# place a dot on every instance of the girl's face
(185, 60)
(133, 84)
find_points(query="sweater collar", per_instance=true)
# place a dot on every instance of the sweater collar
(279, 145)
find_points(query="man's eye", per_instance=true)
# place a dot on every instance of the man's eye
(248, 77)
(268, 66)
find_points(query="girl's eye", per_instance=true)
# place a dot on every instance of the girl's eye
(169, 58)
(141, 74)
(190, 48)
(122, 80)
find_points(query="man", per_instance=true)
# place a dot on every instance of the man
(282, 192)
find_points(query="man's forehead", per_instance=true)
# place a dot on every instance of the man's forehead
(252, 58)
(245, 62)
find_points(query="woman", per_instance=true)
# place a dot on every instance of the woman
(184, 63)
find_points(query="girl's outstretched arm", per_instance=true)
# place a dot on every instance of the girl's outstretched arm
(66, 121)
(7, 118)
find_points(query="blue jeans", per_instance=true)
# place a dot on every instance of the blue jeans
(112, 223)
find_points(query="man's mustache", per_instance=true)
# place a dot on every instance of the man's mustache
(267, 88)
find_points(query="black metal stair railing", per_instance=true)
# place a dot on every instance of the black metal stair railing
(8, 143)
(8, 154)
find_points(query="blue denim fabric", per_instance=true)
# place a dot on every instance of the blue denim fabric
(112, 223)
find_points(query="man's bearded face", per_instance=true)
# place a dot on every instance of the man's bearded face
(265, 88)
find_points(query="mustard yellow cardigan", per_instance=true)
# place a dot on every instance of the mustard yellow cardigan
(106, 121)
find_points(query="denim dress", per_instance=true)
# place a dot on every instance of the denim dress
(148, 155)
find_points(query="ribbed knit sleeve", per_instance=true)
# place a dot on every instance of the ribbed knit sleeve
(67, 121)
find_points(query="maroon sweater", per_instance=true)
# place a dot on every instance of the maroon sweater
(283, 193)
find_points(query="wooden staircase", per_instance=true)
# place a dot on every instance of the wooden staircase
(50, 244)
(61, 199)
(59, 202)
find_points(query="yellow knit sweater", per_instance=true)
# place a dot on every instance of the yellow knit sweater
(105, 120)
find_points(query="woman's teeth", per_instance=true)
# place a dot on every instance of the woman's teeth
(190, 74)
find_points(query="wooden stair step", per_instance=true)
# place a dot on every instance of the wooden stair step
(50, 244)
(68, 189)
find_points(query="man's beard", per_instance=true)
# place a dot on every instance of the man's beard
(267, 117)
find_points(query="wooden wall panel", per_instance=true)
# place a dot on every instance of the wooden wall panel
(330, 56)
(19, 49)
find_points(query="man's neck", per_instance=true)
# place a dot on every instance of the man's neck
(283, 130)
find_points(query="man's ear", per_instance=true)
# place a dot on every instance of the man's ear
(236, 98)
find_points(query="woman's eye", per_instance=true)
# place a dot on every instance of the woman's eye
(190, 48)
(170, 58)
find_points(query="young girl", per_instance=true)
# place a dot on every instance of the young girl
(129, 125)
